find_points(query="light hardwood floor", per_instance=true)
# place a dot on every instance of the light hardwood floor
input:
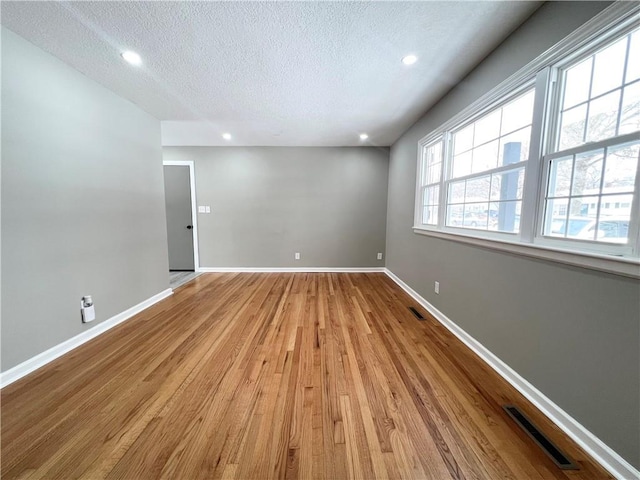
(274, 376)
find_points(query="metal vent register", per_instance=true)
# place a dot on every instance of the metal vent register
(554, 453)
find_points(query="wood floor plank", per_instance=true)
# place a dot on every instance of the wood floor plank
(274, 376)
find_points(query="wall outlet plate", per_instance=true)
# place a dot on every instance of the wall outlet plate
(379, 256)
(297, 256)
(88, 313)
(436, 287)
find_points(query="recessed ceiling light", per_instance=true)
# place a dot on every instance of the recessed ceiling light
(226, 136)
(132, 57)
(363, 136)
(409, 59)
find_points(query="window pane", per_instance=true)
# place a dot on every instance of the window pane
(556, 217)
(579, 221)
(609, 68)
(491, 201)
(613, 231)
(514, 147)
(454, 215)
(456, 192)
(576, 87)
(630, 114)
(587, 174)
(487, 128)
(603, 117)
(463, 140)
(615, 206)
(613, 223)
(430, 215)
(607, 115)
(433, 173)
(485, 157)
(432, 158)
(477, 190)
(572, 128)
(491, 148)
(633, 66)
(573, 227)
(431, 195)
(461, 165)
(560, 177)
(579, 209)
(475, 215)
(507, 186)
(507, 217)
(433, 153)
(517, 113)
(575, 223)
(621, 167)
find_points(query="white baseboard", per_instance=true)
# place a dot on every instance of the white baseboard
(604, 455)
(290, 269)
(47, 356)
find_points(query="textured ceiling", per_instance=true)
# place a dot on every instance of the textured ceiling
(273, 73)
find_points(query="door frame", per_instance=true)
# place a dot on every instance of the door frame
(194, 207)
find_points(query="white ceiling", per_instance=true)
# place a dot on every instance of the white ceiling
(273, 73)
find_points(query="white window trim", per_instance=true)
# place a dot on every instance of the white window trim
(420, 186)
(531, 243)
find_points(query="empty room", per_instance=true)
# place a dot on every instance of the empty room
(320, 240)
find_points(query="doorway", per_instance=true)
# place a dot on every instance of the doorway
(182, 232)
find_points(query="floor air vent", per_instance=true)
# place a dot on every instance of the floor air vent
(416, 313)
(559, 458)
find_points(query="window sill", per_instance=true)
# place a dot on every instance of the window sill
(627, 267)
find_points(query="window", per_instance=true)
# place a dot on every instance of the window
(599, 103)
(432, 156)
(592, 185)
(549, 159)
(485, 188)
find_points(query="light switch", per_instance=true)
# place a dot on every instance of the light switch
(202, 209)
(208, 209)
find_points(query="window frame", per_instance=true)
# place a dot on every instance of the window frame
(421, 187)
(518, 91)
(551, 149)
(447, 138)
(629, 249)
(543, 75)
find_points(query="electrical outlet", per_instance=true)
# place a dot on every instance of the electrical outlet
(297, 256)
(379, 256)
(436, 288)
(87, 309)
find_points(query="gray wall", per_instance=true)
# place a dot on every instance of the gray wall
(573, 333)
(267, 203)
(82, 202)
